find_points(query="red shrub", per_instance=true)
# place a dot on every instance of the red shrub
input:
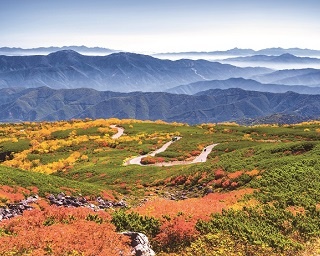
(218, 182)
(107, 195)
(226, 183)
(179, 180)
(176, 232)
(219, 174)
(233, 185)
(148, 160)
(195, 153)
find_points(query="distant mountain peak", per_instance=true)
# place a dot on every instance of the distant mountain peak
(130, 54)
(65, 53)
(131, 57)
(287, 55)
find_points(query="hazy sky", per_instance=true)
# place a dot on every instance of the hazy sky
(161, 25)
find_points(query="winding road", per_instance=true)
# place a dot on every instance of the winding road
(119, 133)
(199, 159)
(137, 160)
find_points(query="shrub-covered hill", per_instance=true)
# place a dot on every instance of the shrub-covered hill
(257, 193)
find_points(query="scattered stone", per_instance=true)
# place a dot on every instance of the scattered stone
(140, 244)
(13, 210)
(70, 201)
(173, 198)
(208, 191)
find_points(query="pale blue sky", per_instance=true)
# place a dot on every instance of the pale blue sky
(161, 25)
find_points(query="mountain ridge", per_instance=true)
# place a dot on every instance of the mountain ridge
(103, 50)
(283, 58)
(246, 52)
(117, 72)
(245, 84)
(38, 104)
(50, 49)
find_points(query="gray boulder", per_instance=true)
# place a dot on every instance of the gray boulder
(140, 244)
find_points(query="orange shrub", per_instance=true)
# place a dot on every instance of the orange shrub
(107, 195)
(219, 174)
(235, 175)
(176, 232)
(148, 160)
(195, 152)
(253, 173)
(218, 182)
(233, 185)
(16, 193)
(62, 231)
(179, 180)
(226, 183)
(151, 160)
(196, 208)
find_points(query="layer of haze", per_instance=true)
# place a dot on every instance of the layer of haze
(161, 26)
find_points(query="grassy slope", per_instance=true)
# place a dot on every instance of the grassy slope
(45, 183)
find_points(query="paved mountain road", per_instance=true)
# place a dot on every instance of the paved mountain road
(119, 133)
(137, 160)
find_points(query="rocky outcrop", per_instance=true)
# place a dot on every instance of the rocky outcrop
(13, 210)
(140, 244)
(70, 201)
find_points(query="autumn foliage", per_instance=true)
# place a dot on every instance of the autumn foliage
(176, 233)
(10, 194)
(196, 208)
(50, 230)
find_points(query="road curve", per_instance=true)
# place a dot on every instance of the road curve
(119, 133)
(137, 160)
(204, 154)
(199, 159)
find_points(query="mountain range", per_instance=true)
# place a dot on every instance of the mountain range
(123, 72)
(35, 104)
(305, 77)
(245, 84)
(15, 51)
(105, 51)
(66, 84)
(249, 52)
(283, 58)
(283, 61)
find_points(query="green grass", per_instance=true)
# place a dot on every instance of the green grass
(63, 134)
(45, 183)
(15, 147)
